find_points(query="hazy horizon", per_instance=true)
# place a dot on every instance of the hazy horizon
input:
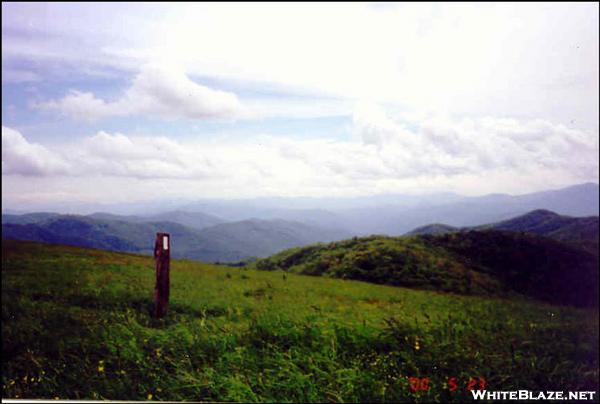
(274, 202)
(117, 103)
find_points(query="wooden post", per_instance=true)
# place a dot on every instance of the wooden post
(162, 253)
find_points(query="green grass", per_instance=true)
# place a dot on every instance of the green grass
(76, 324)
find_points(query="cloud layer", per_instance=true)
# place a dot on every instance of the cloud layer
(155, 92)
(476, 98)
(386, 155)
(525, 60)
(443, 146)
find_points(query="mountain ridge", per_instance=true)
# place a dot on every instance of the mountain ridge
(582, 232)
(393, 214)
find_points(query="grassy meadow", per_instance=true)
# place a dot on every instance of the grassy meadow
(76, 325)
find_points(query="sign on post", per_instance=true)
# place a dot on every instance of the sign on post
(162, 252)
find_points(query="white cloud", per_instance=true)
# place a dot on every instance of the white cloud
(470, 156)
(527, 60)
(82, 105)
(24, 158)
(139, 157)
(442, 146)
(481, 89)
(156, 91)
(532, 61)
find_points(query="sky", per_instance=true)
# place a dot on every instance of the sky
(120, 102)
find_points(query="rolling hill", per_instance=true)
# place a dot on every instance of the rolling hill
(486, 262)
(226, 242)
(113, 235)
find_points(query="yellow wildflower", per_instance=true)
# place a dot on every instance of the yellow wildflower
(417, 344)
(149, 396)
(101, 366)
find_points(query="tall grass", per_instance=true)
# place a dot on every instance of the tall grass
(76, 325)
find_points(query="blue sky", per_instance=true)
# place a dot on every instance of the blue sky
(250, 100)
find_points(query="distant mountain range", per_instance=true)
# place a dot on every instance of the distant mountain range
(393, 214)
(397, 214)
(229, 231)
(195, 220)
(235, 241)
(226, 242)
(582, 232)
(579, 200)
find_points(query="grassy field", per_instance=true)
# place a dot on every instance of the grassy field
(76, 324)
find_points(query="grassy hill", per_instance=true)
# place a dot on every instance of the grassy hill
(474, 262)
(75, 325)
